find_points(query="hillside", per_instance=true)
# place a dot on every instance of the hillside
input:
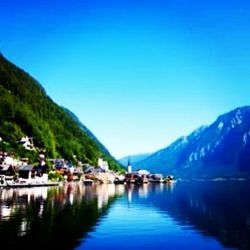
(103, 149)
(25, 109)
(221, 149)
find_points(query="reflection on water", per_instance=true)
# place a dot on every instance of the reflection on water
(146, 191)
(214, 209)
(218, 209)
(187, 215)
(191, 215)
(52, 216)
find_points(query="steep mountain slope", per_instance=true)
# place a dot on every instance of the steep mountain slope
(221, 149)
(87, 131)
(25, 109)
(105, 153)
(133, 158)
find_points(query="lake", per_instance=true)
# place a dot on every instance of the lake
(184, 215)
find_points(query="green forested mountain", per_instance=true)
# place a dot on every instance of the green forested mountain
(87, 131)
(25, 109)
(103, 149)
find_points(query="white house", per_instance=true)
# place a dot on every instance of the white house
(27, 142)
(143, 172)
(103, 164)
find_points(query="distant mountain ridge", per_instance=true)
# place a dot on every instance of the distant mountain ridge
(221, 149)
(26, 110)
(133, 158)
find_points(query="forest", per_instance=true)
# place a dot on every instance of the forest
(26, 110)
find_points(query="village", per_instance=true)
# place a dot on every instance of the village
(16, 172)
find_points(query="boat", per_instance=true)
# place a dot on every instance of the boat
(156, 178)
(144, 179)
(170, 179)
(88, 181)
(135, 178)
(22, 182)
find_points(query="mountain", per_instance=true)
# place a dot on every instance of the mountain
(26, 110)
(219, 150)
(133, 158)
(103, 149)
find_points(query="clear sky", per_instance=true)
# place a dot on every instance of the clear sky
(138, 73)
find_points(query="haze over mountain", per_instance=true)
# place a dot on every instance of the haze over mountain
(221, 149)
(133, 158)
(26, 110)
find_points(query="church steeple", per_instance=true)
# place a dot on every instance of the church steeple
(129, 167)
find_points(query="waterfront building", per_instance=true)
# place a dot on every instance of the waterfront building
(103, 164)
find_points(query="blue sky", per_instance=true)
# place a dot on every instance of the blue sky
(138, 74)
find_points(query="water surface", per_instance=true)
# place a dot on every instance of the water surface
(186, 215)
